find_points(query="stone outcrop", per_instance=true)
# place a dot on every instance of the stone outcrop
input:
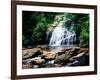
(39, 61)
(62, 58)
(49, 55)
(30, 53)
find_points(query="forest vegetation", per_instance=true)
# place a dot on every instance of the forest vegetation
(37, 25)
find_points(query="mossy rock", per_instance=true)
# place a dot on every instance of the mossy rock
(62, 58)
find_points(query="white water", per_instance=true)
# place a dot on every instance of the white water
(62, 36)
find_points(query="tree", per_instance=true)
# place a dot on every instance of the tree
(35, 26)
(81, 26)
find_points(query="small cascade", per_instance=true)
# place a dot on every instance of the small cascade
(62, 36)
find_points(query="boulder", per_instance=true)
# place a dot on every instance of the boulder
(27, 66)
(30, 53)
(36, 60)
(48, 63)
(62, 50)
(75, 50)
(49, 55)
(62, 58)
(39, 61)
(72, 51)
(79, 60)
(78, 55)
(85, 50)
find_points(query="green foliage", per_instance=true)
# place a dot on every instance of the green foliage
(35, 25)
(81, 26)
(84, 37)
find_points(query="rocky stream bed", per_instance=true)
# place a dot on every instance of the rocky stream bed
(44, 57)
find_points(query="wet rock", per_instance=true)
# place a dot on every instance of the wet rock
(27, 61)
(27, 66)
(57, 65)
(44, 57)
(85, 50)
(50, 62)
(79, 60)
(72, 51)
(68, 52)
(39, 61)
(30, 53)
(77, 56)
(49, 55)
(62, 58)
(35, 66)
(63, 50)
(36, 60)
(86, 60)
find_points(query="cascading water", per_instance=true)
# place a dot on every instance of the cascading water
(62, 36)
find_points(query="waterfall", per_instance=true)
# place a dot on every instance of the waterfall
(62, 36)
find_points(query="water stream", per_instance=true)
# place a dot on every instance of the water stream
(62, 36)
